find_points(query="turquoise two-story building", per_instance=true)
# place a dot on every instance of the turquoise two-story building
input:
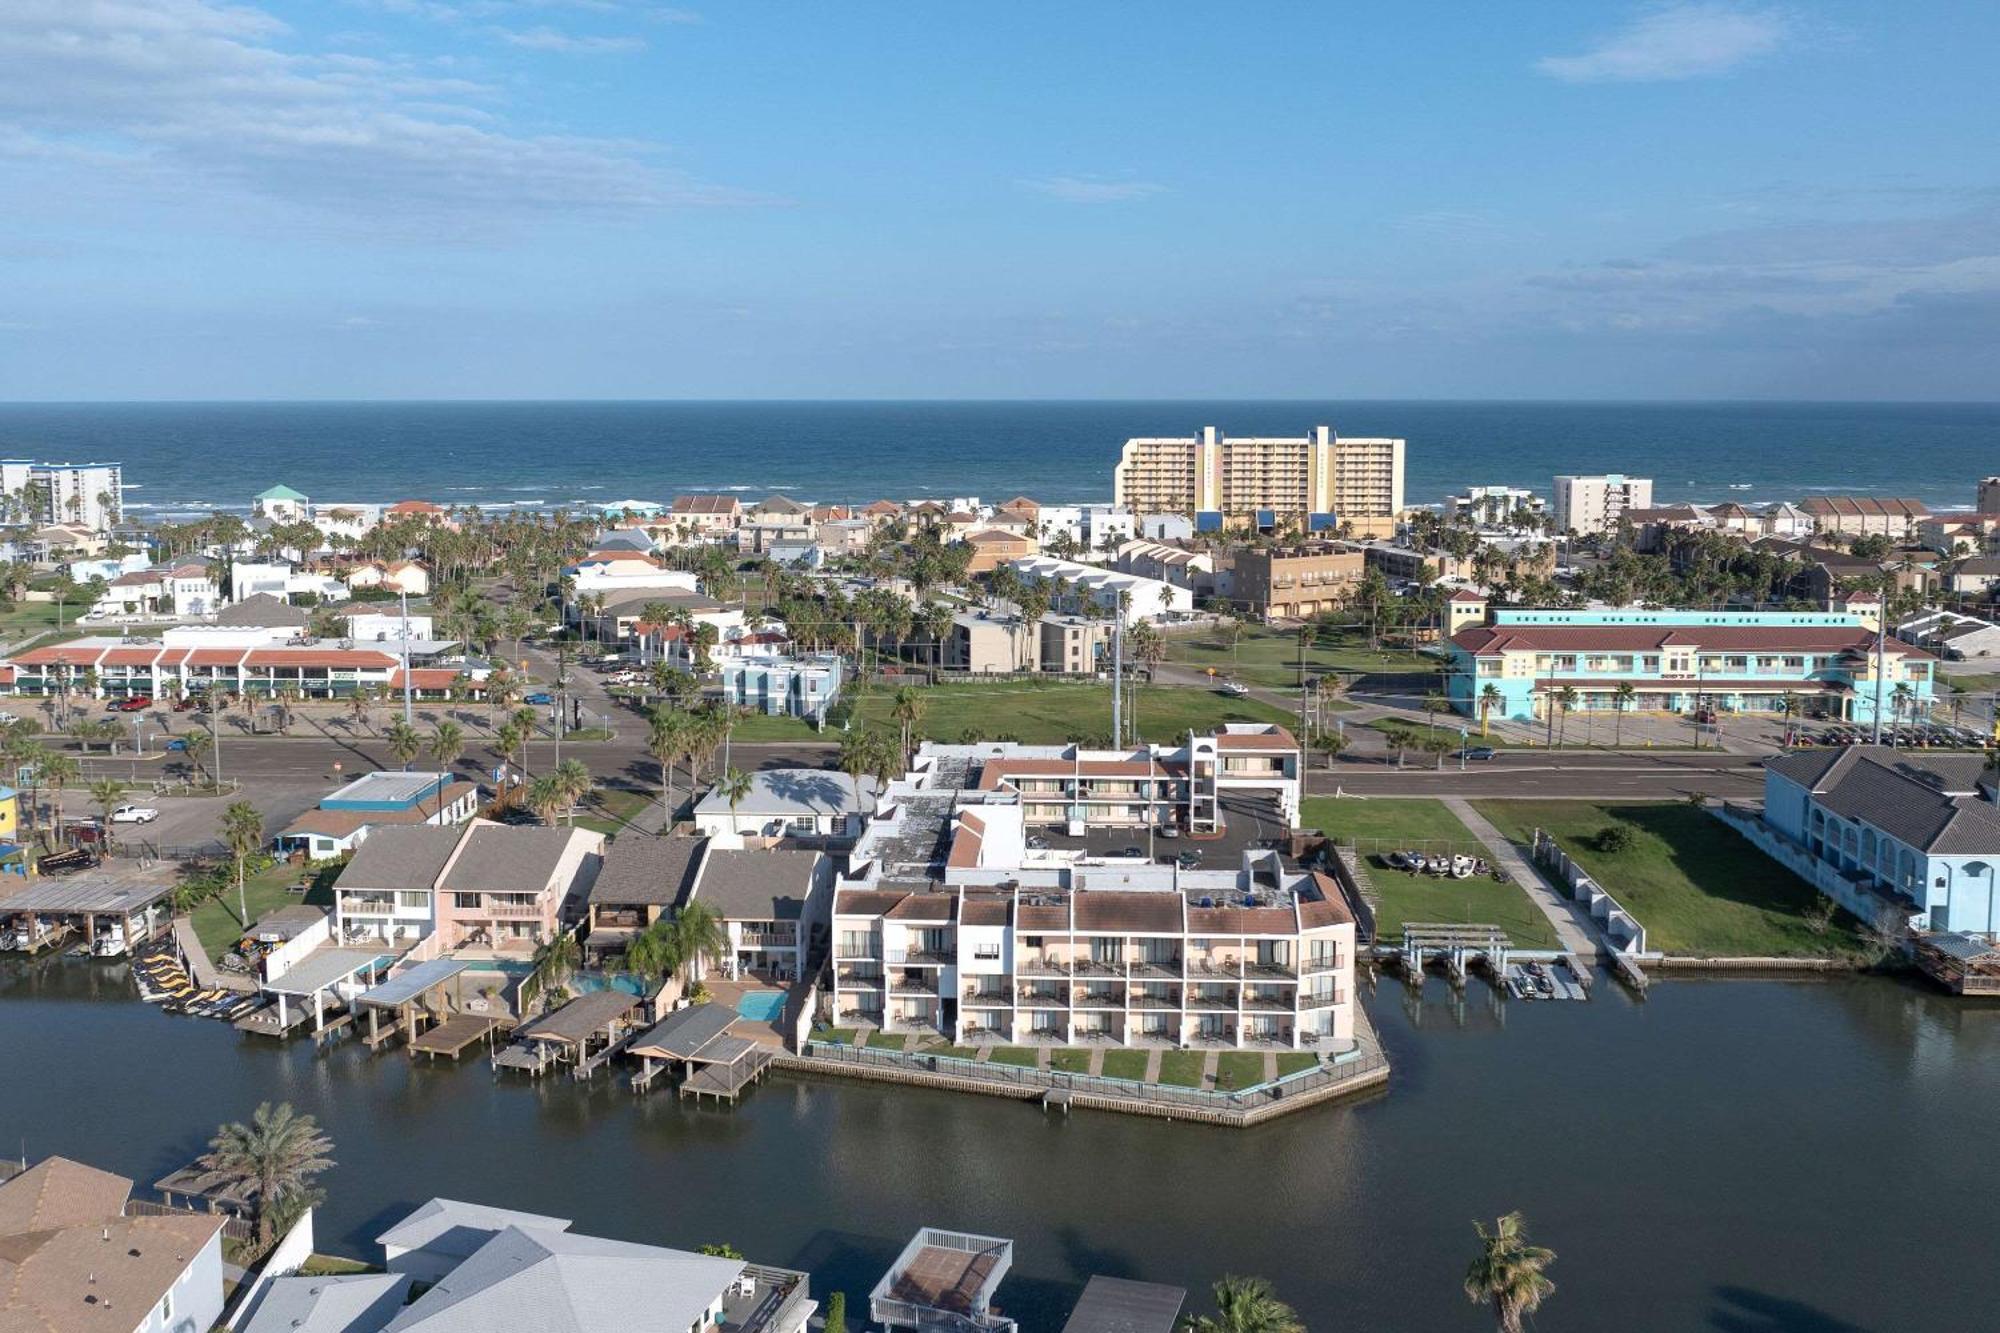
(1894, 836)
(1684, 662)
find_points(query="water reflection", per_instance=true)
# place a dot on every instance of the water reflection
(1739, 1154)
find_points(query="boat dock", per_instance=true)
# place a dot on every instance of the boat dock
(453, 1037)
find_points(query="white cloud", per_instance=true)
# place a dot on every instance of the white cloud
(549, 39)
(193, 98)
(1093, 189)
(1675, 41)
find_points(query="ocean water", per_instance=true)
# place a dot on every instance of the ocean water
(182, 457)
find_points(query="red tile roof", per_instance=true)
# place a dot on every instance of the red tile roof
(1492, 640)
(317, 657)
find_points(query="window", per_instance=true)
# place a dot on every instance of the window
(413, 898)
(986, 952)
(465, 902)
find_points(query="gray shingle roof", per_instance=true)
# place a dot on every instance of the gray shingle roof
(1928, 801)
(262, 610)
(357, 1303)
(1119, 1305)
(456, 1228)
(400, 858)
(558, 1282)
(756, 885)
(506, 858)
(643, 871)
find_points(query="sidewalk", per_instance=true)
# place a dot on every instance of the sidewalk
(1573, 926)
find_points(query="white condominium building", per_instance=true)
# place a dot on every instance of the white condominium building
(1495, 506)
(1319, 473)
(90, 494)
(1585, 505)
(1007, 892)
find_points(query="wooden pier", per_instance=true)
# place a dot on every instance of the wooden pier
(453, 1037)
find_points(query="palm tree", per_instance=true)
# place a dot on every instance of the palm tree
(1330, 744)
(1791, 707)
(273, 1160)
(666, 740)
(857, 756)
(198, 745)
(243, 831)
(545, 796)
(908, 710)
(734, 784)
(59, 769)
(446, 748)
(573, 779)
(1621, 697)
(107, 793)
(1490, 698)
(1434, 703)
(1565, 700)
(557, 960)
(697, 935)
(1244, 1305)
(403, 742)
(1508, 1273)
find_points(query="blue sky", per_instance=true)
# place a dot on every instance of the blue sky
(619, 198)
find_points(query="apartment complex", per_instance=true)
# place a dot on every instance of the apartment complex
(1319, 479)
(1002, 893)
(1867, 515)
(1502, 507)
(1586, 505)
(1285, 583)
(91, 495)
(1684, 661)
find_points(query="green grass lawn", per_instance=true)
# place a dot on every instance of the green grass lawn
(1021, 1056)
(1296, 1062)
(216, 921)
(611, 809)
(888, 1041)
(1697, 886)
(1181, 1069)
(332, 1265)
(1376, 826)
(1070, 1061)
(1037, 713)
(842, 1036)
(1124, 1064)
(1267, 657)
(1239, 1069)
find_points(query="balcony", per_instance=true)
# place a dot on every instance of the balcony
(1100, 999)
(1092, 967)
(1327, 962)
(511, 911)
(1269, 1004)
(1224, 967)
(850, 978)
(1166, 969)
(913, 983)
(1043, 999)
(987, 999)
(919, 957)
(1212, 1003)
(1282, 971)
(1141, 1000)
(870, 951)
(1322, 999)
(1043, 967)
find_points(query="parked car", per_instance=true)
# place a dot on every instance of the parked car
(1235, 689)
(177, 743)
(540, 698)
(1479, 753)
(136, 703)
(185, 703)
(134, 814)
(1188, 859)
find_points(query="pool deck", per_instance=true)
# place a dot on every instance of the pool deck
(763, 1032)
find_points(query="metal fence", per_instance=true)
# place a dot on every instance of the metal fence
(1346, 1068)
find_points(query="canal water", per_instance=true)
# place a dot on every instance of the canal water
(1729, 1154)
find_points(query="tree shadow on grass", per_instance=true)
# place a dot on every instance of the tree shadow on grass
(1741, 1310)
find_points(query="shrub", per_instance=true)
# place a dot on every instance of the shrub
(1614, 838)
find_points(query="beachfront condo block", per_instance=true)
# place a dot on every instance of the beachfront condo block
(1686, 662)
(1586, 505)
(1319, 479)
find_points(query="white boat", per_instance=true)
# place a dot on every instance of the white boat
(110, 943)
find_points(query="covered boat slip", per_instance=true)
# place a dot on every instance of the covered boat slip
(320, 984)
(584, 1034)
(697, 1040)
(425, 1005)
(115, 908)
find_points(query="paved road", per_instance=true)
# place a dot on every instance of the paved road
(1495, 782)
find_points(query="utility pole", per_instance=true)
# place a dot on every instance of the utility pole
(1117, 679)
(408, 718)
(1881, 658)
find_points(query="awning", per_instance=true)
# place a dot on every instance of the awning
(408, 985)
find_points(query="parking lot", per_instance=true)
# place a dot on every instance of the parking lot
(195, 822)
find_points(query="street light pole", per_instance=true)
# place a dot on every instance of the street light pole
(404, 598)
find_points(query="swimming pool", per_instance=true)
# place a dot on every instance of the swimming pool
(766, 1006)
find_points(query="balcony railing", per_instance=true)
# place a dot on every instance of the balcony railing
(512, 911)
(921, 957)
(1321, 999)
(1329, 962)
(1043, 967)
(910, 983)
(870, 952)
